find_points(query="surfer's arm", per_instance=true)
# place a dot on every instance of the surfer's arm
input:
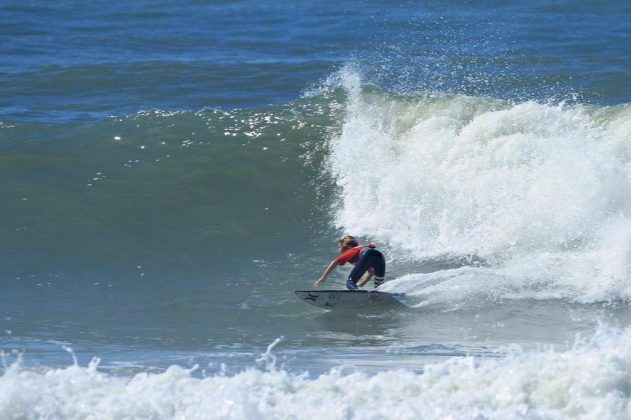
(326, 273)
(369, 273)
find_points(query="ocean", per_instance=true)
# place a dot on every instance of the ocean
(171, 172)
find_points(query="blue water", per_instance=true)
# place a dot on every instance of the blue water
(171, 173)
(73, 61)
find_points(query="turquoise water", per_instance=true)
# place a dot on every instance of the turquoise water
(172, 173)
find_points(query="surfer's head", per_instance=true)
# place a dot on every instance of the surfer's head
(347, 242)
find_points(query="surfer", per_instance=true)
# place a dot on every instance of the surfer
(366, 259)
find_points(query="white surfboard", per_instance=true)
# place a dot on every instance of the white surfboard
(349, 299)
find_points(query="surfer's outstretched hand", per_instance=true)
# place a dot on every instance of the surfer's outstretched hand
(318, 282)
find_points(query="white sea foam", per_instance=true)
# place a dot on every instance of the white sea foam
(591, 380)
(540, 192)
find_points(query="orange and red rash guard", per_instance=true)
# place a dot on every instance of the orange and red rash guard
(351, 256)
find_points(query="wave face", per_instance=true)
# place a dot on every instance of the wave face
(166, 188)
(539, 193)
(588, 381)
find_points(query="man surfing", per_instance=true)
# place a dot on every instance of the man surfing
(366, 258)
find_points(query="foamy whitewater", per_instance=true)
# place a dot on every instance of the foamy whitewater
(591, 380)
(512, 186)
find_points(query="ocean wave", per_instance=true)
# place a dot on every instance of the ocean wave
(590, 380)
(535, 195)
(537, 191)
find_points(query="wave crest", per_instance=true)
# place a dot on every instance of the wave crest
(516, 184)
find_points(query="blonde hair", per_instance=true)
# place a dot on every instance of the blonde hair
(348, 241)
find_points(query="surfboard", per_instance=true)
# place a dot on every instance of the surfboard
(349, 299)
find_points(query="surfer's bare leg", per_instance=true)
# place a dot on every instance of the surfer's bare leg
(366, 278)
